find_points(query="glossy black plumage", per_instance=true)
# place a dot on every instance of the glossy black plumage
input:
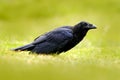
(59, 40)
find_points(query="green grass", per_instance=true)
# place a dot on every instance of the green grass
(97, 57)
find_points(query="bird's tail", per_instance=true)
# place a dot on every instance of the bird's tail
(27, 47)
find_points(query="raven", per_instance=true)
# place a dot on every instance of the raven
(59, 40)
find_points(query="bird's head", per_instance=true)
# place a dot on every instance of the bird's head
(82, 28)
(85, 26)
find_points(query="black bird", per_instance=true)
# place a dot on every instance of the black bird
(59, 40)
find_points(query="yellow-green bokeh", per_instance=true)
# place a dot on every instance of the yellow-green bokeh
(31, 18)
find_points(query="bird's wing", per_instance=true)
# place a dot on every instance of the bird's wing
(58, 35)
(53, 41)
(40, 39)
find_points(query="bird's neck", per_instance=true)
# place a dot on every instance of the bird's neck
(79, 35)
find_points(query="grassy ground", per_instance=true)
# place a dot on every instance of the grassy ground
(97, 57)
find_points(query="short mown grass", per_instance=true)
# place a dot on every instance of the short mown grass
(80, 64)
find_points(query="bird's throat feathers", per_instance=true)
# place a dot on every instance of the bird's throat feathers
(79, 33)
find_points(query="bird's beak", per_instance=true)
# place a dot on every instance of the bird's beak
(92, 27)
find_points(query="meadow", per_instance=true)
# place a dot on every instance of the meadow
(97, 57)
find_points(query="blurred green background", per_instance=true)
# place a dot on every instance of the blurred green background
(30, 18)
(23, 20)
